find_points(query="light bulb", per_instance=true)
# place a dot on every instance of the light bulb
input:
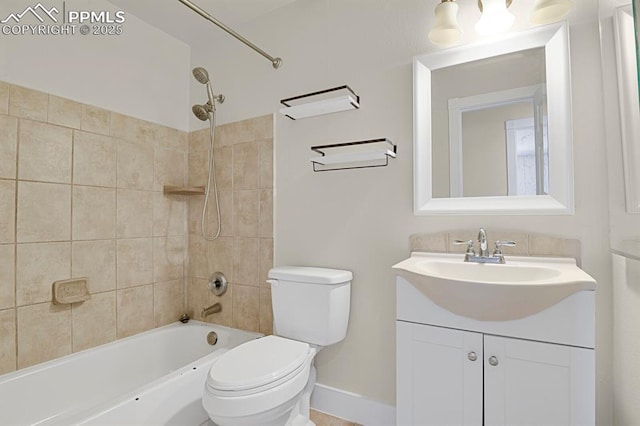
(446, 29)
(548, 11)
(495, 17)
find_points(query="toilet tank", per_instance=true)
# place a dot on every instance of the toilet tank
(310, 304)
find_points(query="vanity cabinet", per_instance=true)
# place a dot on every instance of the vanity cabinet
(452, 370)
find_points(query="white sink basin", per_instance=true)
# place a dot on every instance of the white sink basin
(521, 287)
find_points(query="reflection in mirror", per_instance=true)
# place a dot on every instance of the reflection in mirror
(492, 127)
(486, 115)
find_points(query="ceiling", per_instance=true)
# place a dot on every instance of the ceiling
(176, 19)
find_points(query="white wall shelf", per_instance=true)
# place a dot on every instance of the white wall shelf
(341, 98)
(353, 155)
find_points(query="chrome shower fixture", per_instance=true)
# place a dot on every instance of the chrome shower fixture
(203, 111)
(208, 112)
(201, 75)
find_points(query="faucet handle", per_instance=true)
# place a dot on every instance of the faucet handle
(500, 244)
(469, 244)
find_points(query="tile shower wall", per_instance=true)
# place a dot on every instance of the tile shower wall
(81, 195)
(244, 251)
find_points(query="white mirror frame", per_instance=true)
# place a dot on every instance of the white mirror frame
(629, 106)
(555, 40)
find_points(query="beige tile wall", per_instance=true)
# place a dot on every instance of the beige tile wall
(527, 244)
(81, 195)
(243, 155)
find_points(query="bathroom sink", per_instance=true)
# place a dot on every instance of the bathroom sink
(521, 287)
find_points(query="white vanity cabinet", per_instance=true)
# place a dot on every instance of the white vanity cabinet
(453, 370)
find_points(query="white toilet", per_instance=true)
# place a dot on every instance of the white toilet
(268, 381)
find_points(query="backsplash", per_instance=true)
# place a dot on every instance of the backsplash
(527, 244)
(81, 195)
(244, 250)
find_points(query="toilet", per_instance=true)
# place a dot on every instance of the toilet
(268, 381)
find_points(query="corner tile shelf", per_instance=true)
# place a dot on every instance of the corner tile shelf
(341, 98)
(353, 155)
(183, 190)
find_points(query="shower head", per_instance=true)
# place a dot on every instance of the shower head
(201, 75)
(201, 111)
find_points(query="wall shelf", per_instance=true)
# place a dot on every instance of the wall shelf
(353, 155)
(183, 190)
(341, 98)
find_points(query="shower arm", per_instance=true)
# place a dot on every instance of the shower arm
(276, 62)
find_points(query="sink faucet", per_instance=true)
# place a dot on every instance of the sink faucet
(483, 244)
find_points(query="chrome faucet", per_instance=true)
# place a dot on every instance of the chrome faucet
(483, 244)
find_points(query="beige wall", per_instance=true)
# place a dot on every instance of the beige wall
(143, 73)
(362, 219)
(624, 240)
(626, 354)
(81, 195)
(244, 251)
(484, 148)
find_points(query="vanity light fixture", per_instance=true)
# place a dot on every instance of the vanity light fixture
(446, 30)
(495, 18)
(548, 11)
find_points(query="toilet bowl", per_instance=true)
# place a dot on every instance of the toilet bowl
(269, 381)
(260, 382)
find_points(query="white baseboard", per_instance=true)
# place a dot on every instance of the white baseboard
(353, 407)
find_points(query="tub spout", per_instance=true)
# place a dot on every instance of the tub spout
(213, 309)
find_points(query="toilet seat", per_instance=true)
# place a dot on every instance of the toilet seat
(257, 366)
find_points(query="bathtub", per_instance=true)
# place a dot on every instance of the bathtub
(153, 378)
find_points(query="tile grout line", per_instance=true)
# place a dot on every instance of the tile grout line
(71, 230)
(15, 237)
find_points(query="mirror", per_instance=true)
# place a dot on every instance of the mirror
(629, 105)
(492, 127)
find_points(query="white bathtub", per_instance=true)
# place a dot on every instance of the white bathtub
(153, 378)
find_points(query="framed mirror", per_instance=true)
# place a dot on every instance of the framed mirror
(492, 127)
(626, 54)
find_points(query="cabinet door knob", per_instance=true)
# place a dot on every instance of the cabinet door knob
(493, 361)
(472, 356)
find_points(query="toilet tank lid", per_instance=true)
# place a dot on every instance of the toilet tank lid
(310, 275)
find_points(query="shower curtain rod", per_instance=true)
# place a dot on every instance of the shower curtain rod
(276, 62)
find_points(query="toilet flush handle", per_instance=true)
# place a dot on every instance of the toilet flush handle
(274, 283)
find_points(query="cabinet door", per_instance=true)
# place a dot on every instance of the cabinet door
(533, 383)
(439, 376)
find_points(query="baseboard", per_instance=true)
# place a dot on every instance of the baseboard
(353, 407)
